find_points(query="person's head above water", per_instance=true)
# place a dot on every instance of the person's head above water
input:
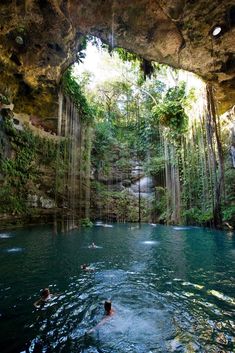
(45, 293)
(108, 307)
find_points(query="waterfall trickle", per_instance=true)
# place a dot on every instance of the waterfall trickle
(69, 127)
(232, 147)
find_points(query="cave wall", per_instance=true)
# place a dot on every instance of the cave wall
(35, 169)
(40, 39)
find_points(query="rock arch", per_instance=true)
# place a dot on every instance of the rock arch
(40, 38)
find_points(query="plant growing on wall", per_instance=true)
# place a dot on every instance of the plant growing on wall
(171, 111)
(71, 88)
(22, 169)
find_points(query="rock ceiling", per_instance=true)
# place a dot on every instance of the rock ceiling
(39, 39)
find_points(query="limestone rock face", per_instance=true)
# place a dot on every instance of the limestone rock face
(39, 39)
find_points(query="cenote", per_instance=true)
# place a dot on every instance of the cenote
(172, 289)
(117, 170)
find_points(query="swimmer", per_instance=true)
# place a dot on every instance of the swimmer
(45, 296)
(86, 267)
(108, 308)
(108, 312)
(93, 246)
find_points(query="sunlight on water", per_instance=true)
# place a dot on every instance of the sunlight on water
(197, 286)
(221, 296)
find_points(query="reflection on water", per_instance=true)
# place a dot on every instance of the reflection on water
(14, 250)
(182, 228)
(150, 242)
(101, 224)
(177, 296)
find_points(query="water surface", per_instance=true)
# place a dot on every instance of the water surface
(172, 289)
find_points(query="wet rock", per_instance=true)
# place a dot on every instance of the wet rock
(39, 201)
(47, 203)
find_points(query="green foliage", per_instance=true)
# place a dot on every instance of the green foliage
(229, 214)
(229, 176)
(102, 143)
(124, 163)
(228, 205)
(127, 56)
(150, 123)
(122, 205)
(195, 215)
(154, 165)
(4, 99)
(13, 201)
(98, 187)
(81, 51)
(171, 112)
(160, 203)
(86, 222)
(22, 170)
(147, 68)
(73, 90)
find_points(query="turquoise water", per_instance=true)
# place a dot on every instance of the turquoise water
(172, 289)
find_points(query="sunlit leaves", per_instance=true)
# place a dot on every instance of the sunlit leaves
(73, 90)
(171, 112)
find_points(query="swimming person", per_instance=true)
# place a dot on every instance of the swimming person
(108, 311)
(86, 267)
(45, 296)
(92, 246)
